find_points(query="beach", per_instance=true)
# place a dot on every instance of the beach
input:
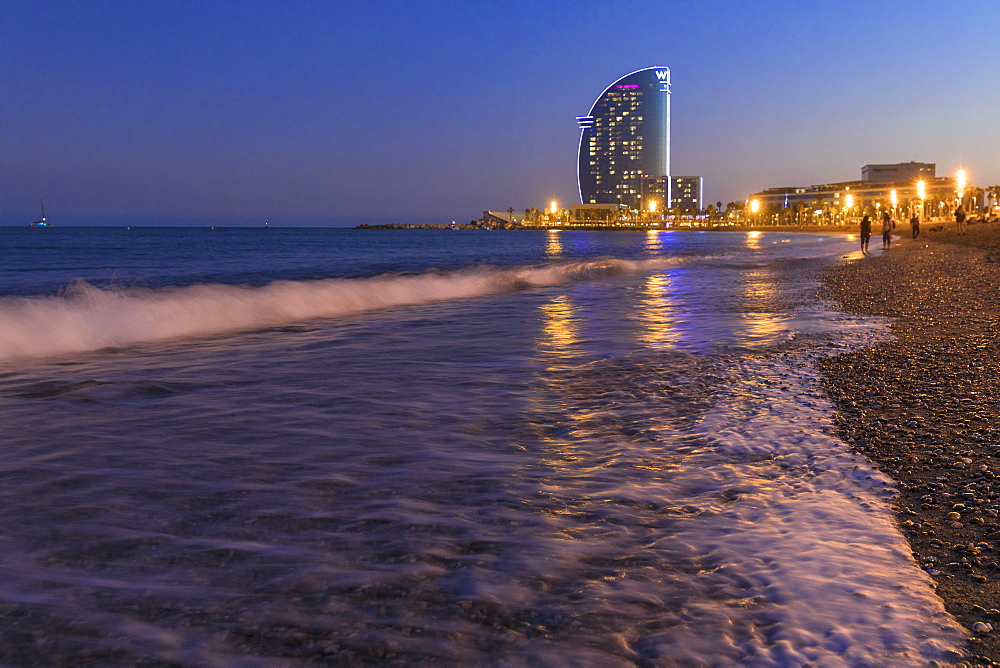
(924, 407)
(371, 446)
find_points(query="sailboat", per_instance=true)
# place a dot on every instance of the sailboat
(41, 222)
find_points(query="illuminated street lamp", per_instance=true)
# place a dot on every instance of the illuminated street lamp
(754, 207)
(922, 194)
(651, 206)
(960, 184)
(849, 203)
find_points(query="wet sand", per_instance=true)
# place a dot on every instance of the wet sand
(925, 407)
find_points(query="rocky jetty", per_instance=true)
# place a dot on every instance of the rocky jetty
(925, 408)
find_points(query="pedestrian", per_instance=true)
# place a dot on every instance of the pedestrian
(960, 219)
(887, 224)
(915, 225)
(866, 233)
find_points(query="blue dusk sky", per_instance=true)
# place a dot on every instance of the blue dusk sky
(337, 112)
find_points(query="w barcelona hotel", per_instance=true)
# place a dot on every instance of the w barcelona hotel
(624, 156)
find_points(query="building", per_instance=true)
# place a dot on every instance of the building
(625, 139)
(503, 218)
(901, 171)
(596, 214)
(686, 192)
(914, 189)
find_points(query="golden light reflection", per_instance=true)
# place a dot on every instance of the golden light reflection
(656, 312)
(653, 242)
(753, 239)
(553, 244)
(764, 314)
(560, 326)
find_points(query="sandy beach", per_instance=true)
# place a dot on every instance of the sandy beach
(925, 407)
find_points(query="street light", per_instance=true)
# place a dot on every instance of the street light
(922, 194)
(754, 207)
(960, 185)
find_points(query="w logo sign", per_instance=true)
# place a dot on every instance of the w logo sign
(663, 75)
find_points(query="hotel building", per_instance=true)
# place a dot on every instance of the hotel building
(625, 143)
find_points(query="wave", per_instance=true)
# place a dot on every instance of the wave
(85, 317)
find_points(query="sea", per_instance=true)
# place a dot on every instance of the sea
(255, 447)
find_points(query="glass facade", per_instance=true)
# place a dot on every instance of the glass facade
(625, 140)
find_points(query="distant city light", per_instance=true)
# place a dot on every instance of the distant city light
(754, 206)
(652, 206)
(921, 189)
(849, 200)
(893, 198)
(553, 206)
(960, 180)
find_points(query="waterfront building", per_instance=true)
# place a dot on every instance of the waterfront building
(898, 172)
(914, 188)
(597, 214)
(625, 141)
(503, 218)
(686, 192)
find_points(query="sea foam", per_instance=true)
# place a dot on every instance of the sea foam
(85, 317)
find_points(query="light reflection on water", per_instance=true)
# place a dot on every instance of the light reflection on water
(654, 243)
(553, 244)
(657, 312)
(560, 325)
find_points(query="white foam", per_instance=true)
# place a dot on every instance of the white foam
(812, 529)
(86, 318)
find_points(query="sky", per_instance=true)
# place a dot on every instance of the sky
(337, 112)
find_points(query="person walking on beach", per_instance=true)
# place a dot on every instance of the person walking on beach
(866, 233)
(887, 224)
(960, 219)
(915, 225)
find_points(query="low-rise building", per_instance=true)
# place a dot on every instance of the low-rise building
(919, 191)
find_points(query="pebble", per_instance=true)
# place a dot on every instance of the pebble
(923, 407)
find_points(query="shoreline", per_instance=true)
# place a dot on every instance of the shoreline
(925, 408)
(931, 230)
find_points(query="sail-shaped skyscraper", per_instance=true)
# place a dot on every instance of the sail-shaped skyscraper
(625, 143)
